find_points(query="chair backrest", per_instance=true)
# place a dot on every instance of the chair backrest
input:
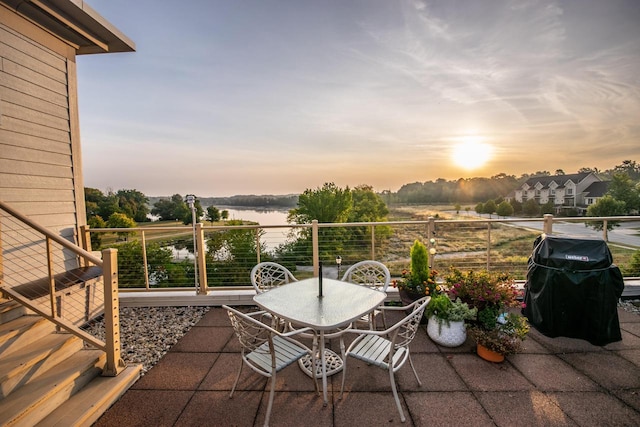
(267, 275)
(251, 332)
(369, 273)
(405, 330)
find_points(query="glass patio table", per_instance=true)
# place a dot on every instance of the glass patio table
(341, 304)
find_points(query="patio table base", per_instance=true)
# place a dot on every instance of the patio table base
(332, 359)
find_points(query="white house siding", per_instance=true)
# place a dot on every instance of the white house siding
(39, 130)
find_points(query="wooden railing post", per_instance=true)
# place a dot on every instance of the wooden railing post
(85, 242)
(314, 245)
(52, 281)
(488, 245)
(548, 224)
(258, 248)
(605, 231)
(202, 264)
(373, 242)
(145, 262)
(114, 364)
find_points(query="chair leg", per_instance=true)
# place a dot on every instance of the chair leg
(344, 373)
(235, 383)
(344, 364)
(271, 395)
(395, 394)
(314, 362)
(414, 371)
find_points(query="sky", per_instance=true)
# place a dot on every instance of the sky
(226, 97)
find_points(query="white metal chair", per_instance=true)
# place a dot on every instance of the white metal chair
(388, 349)
(266, 350)
(373, 274)
(267, 275)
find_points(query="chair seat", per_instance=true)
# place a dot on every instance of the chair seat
(374, 349)
(286, 353)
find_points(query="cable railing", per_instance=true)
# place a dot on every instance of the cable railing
(60, 281)
(166, 258)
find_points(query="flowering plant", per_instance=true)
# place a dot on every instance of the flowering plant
(422, 288)
(482, 289)
(492, 293)
(505, 337)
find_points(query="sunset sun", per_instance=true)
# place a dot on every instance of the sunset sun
(471, 153)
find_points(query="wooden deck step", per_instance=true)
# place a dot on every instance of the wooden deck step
(28, 363)
(85, 407)
(22, 332)
(11, 310)
(31, 403)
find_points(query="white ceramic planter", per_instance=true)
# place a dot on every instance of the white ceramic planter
(451, 335)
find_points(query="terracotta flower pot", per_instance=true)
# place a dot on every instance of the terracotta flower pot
(489, 355)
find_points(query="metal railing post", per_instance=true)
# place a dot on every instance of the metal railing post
(202, 270)
(314, 245)
(114, 364)
(548, 224)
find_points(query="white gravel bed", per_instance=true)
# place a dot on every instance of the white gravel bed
(147, 333)
(632, 306)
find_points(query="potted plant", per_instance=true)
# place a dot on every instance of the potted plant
(419, 280)
(492, 294)
(447, 320)
(503, 338)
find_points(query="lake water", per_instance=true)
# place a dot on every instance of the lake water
(271, 238)
(263, 217)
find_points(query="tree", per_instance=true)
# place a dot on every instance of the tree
(479, 208)
(531, 208)
(367, 206)
(630, 167)
(559, 172)
(516, 205)
(548, 208)
(587, 170)
(622, 188)
(504, 209)
(606, 206)
(96, 221)
(120, 220)
(188, 216)
(327, 204)
(213, 214)
(173, 209)
(457, 207)
(134, 204)
(489, 207)
(131, 267)
(224, 214)
(634, 265)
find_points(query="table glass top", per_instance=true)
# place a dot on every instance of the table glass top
(340, 304)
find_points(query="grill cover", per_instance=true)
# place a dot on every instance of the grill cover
(573, 288)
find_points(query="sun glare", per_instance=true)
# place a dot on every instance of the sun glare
(471, 153)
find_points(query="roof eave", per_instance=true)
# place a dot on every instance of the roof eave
(75, 22)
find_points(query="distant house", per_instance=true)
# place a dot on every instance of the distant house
(573, 191)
